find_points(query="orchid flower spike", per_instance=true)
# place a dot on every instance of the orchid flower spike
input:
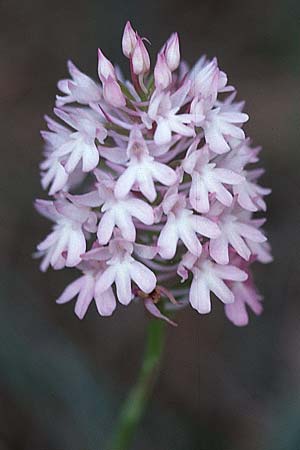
(153, 183)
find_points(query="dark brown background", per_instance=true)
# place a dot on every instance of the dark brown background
(62, 380)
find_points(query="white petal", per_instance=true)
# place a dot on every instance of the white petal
(146, 185)
(162, 133)
(142, 276)
(123, 285)
(205, 226)
(125, 182)
(220, 289)
(90, 157)
(141, 210)
(251, 233)
(190, 240)
(223, 195)
(85, 297)
(105, 280)
(74, 158)
(59, 247)
(228, 176)
(228, 272)
(105, 227)
(167, 241)
(106, 302)
(199, 195)
(200, 296)
(76, 247)
(125, 223)
(218, 249)
(91, 199)
(239, 245)
(164, 174)
(215, 140)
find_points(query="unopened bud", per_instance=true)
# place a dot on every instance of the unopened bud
(105, 67)
(129, 40)
(162, 73)
(172, 52)
(140, 58)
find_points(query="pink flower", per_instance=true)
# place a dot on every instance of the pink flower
(142, 170)
(183, 224)
(53, 173)
(121, 269)
(209, 277)
(81, 143)
(66, 243)
(164, 110)
(237, 230)
(207, 179)
(218, 125)
(116, 212)
(81, 88)
(245, 295)
(84, 289)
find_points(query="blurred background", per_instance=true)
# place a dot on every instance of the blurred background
(220, 387)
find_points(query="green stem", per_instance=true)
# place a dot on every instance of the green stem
(136, 401)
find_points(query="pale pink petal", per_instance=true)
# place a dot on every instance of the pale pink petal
(200, 296)
(162, 133)
(105, 280)
(59, 248)
(106, 302)
(91, 199)
(71, 290)
(141, 210)
(76, 246)
(251, 233)
(164, 174)
(199, 195)
(74, 158)
(142, 276)
(215, 140)
(106, 227)
(223, 195)
(231, 273)
(190, 240)
(220, 289)
(146, 186)
(239, 245)
(90, 157)
(205, 226)
(123, 285)
(167, 241)
(228, 176)
(218, 249)
(145, 251)
(85, 297)
(125, 182)
(125, 224)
